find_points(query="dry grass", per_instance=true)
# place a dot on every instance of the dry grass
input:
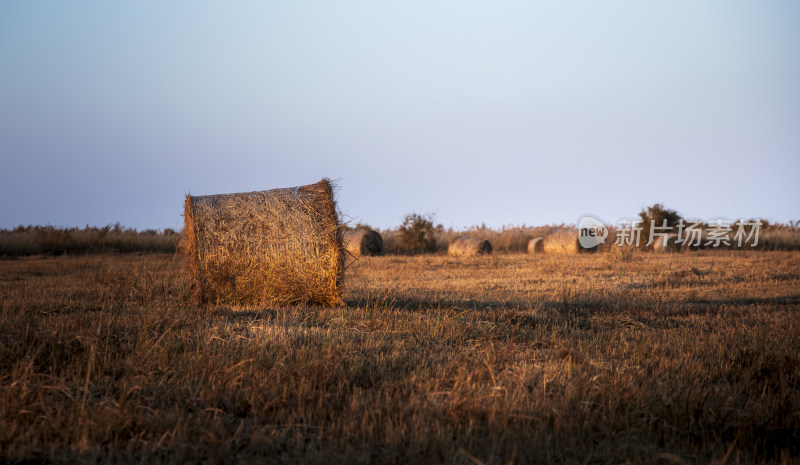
(496, 359)
(49, 240)
(277, 247)
(34, 240)
(779, 238)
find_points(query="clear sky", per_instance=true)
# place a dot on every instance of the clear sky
(495, 112)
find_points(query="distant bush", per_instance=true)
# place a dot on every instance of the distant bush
(417, 235)
(50, 240)
(358, 227)
(657, 214)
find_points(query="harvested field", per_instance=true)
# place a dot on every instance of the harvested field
(512, 358)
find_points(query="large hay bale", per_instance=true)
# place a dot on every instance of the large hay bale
(276, 247)
(536, 245)
(466, 246)
(363, 242)
(666, 244)
(562, 240)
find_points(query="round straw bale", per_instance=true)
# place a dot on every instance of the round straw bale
(363, 242)
(562, 240)
(666, 244)
(276, 247)
(466, 246)
(536, 245)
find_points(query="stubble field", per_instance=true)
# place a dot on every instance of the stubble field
(678, 358)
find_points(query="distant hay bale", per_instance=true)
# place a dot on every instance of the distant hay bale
(276, 247)
(666, 244)
(466, 246)
(562, 240)
(536, 245)
(363, 242)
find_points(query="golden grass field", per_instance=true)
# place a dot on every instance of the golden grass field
(511, 358)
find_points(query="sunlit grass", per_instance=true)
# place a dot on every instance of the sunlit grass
(506, 358)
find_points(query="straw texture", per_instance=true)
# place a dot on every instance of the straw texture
(467, 246)
(563, 240)
(278, 247)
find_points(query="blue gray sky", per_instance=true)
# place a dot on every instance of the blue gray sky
(501, 112)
